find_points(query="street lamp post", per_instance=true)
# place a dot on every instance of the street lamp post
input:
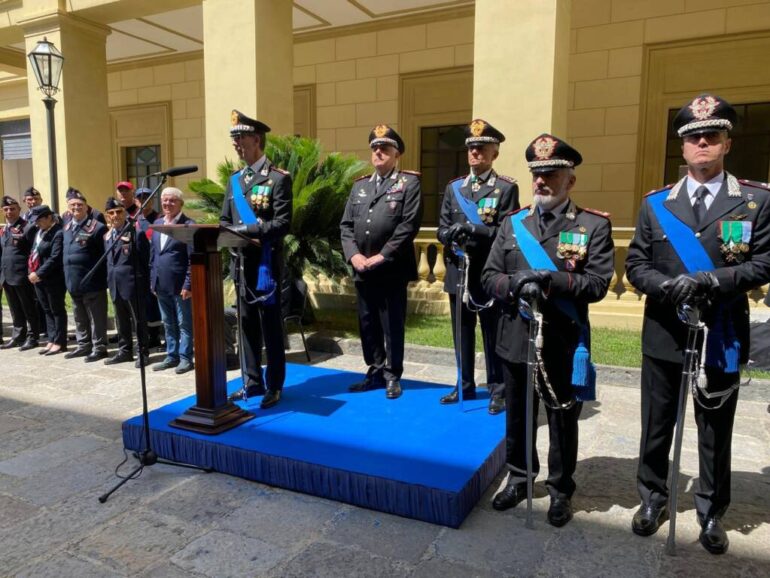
(46, 61)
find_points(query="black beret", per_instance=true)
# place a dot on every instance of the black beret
(9, 201)
(40, 211)
(112, 203)
(480, 131)
(383, 134)
(74, 194)
(706, 113)
(547, 153)
(32, 192)
(242, 124)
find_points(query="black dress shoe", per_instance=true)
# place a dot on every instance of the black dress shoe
(184, 366)
(713, 536)
(393, 389)
(11, 344)
(454, 397)
(79, 352)
(252, 389)
(271, 398)
(560, 511)
(56, 351)
(29, 344)
(145, 361)
(94, 356)
(509, 496)
(496, 405)
(167, 363)
(648, 519)
(119, 358)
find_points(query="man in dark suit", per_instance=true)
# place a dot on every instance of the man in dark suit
(561, 255)
(170, 282)
(381, 219)
(83, 246)
(17, 240)
(258, 203)
(128, 259)
(471, 211)
(706, 241)
(46, 273)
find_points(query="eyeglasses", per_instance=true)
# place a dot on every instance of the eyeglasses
(712, 137)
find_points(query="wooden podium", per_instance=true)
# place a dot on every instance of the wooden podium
(212, 413)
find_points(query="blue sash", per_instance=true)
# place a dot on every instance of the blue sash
(265, 281)
(467, 206)
(583, 370)
(722, 345)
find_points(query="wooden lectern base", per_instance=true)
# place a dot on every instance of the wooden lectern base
(207, 421)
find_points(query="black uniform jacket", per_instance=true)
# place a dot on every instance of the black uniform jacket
(274, 217)
(49, 251)
(587, 281)
(17, 241)
(498, 189)
(120, 264)
(384, 222)
(652, 260)
(83, 246)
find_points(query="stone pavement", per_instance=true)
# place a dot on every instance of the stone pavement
(60, 442)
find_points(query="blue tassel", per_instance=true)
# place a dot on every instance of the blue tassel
(723, 350)
(580, 365)
(265, 281)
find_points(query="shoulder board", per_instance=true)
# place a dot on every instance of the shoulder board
(369, 176)
(460, 178)
(506, 178)
(666, 188)
(279, 170)
(90, 225)
(415, 173)
(595, 212)
(756, 184)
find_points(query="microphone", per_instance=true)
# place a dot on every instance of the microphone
(176, 171)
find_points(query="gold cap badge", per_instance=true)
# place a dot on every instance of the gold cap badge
(703, 108)
(380, 130)
(477, 127)
(234, 117)
(544, 147)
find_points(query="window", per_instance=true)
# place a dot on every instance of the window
(749, 156)
(140, 162)
(443, 157)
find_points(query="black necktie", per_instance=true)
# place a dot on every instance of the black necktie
(699, 206)
(545, 221)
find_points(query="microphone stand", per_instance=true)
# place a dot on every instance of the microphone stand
(147, 456)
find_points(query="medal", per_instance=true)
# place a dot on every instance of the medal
(736, 236)
(751, 205)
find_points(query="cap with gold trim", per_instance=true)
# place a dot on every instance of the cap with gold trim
(383, 134)
(706, 113)
(242, 124)
(547, 153)
(480, 132)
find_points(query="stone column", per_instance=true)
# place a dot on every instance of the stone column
(82, 121)
(521, 54)
(248, 63)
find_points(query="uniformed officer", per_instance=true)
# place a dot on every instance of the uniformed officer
(381, 219)
(83, 245)
(706, 238)
(258, 203)
(471, 211)
(32, 199)
(128, 280)
(567, 253)
(91, 212)
(17, 240)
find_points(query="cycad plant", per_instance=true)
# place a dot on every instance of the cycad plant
(321, 185)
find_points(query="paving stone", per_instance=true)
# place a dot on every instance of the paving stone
(14, 511)
(65, 564)
(439, 568)
(383, 534)
(50, 455)
(168, 570)
(324, 560)
(223, 554)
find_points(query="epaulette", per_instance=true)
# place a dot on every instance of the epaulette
(667, 187)
(415, 173)
(596, 212)
(757, 184)
(507, 179)
(280, 170)
(90, 225)
(369, 176)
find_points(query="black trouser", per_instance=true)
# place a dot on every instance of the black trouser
(381, 322)
(154, 321)
(129, 319)
(263, 323)
(21, 301)
(660, 386)
(562, 429)
(488, 318)
(50, 297)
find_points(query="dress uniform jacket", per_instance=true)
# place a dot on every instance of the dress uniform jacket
(83, 246)
(170, 266)
(49, 251)
(17, 241)
(652, 260)
(120, 265)
(502, 194)
(582, 282)
(385, 221)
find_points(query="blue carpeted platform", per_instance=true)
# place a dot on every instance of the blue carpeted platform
(412, 456)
